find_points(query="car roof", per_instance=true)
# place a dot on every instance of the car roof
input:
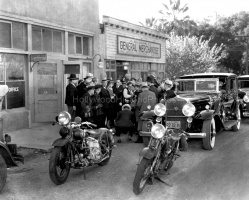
(243, 76)
(208, 75)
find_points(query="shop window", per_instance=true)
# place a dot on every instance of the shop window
(12, 67)
(111, 75)
(12, 35)
(47, 40)
(111, 64)
(144, 76)
(78, 44)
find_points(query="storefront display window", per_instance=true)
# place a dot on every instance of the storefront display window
(12, 67)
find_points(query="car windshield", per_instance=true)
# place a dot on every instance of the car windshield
(196, 85)
(244, 84)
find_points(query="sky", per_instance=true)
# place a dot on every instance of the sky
(135, 11)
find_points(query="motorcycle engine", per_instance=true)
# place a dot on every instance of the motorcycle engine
(95, 153)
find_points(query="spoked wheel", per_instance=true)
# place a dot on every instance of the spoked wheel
(105, 143)
(236, 127)
(3, 173)
(209, 128)
(59, 168)
(142, 175)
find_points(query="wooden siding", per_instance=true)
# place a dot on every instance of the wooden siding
(111, 45)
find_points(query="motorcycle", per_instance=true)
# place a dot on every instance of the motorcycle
(80, 146)
(159, 156)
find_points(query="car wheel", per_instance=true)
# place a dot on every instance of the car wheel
(209, 128)
(236, 127)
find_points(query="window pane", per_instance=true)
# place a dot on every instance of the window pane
(15, 65)
(18, 35)
(5, 35)
(78, 45)
(111, 75)
(57, 41)
(85, 46)
(36, 39)
(88, 67)
(135, 75)
(47, 78)
(47, 40)
(70, 44)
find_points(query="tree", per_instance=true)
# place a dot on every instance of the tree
(186, 55)
(174, 18)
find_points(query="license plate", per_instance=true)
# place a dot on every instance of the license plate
(173, 124)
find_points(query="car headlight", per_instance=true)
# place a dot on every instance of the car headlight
(160, 109)
(64, 118)
(246, 99)
(158, 131)
(188, 109)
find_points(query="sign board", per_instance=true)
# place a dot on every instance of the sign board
(136, 47)
(72, 69)
(38, 57)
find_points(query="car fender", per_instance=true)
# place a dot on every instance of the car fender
(60, 142)
(206, 114)
(148, 153)
(5, 153)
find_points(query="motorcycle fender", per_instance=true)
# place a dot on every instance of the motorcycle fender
(148, 153)
(5, 153)
(206, 114)
(104, 131)
(60, 142)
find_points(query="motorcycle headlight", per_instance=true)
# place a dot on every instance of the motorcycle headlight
(160, 109)
(188, 109)
(64, 118)
(246, 99)
(158, 131)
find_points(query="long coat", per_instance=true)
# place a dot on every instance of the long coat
(145, 98)
(125, 118)
(154, 89)
(96, 101)
(105, 98)
(71, 95)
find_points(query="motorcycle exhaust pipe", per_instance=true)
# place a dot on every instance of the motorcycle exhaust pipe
(196, 135)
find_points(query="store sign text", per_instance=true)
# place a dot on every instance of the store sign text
(135, 47)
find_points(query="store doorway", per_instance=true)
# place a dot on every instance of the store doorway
(121, 72)
(47, 79)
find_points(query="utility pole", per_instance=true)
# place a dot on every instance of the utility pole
(245, 36)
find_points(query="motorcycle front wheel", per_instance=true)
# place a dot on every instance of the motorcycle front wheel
(3, 173)
(58, 167)
(142, 175)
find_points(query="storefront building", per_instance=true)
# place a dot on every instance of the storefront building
(132, 49)
(41, 43)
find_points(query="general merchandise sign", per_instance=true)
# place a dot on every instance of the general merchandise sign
(135, 47)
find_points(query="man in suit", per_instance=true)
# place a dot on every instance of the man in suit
(105, 99)
(71, 95)
(166, 93)
(86, 105)
(152, 88)
(145, 98)
(125, 122)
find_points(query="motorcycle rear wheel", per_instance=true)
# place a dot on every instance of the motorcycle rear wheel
(57, 162)
(3, 173)
(142, 175)
(106, 140)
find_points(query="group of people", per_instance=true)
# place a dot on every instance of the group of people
(119, 104)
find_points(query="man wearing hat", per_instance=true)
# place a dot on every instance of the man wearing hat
(145, 98)
(166, 93)
(71, 95)
(125, 122)
(86, 104)
(105, 99)
(98, 114)
(152, 88)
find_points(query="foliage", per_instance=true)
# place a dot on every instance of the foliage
(186, 55)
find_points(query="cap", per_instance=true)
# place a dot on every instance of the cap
(127, 106)
(145, 84)
(89, 75)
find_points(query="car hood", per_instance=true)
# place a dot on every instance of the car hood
(195, 97)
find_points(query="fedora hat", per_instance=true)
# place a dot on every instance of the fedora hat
(89, 75)
(144, 84)
(168, 82)
(126, 106)
(88, 80)
(72, 77)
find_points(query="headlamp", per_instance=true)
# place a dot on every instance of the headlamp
(158, 131)
(160, 109)
(188, 109)
(64, 118)
(246, 99)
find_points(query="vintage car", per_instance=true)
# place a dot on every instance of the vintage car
(244, 94)
(205, 104)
